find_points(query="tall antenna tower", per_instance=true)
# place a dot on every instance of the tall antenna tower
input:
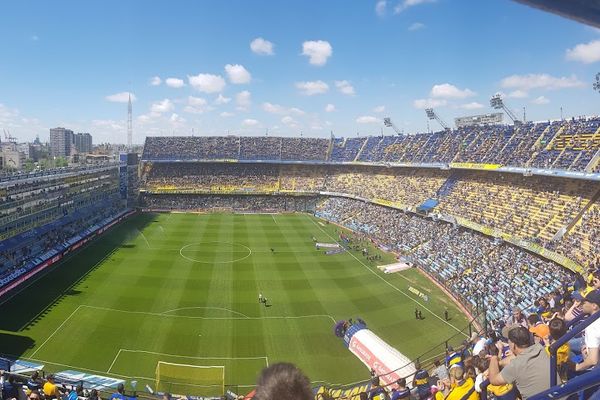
(129, 124)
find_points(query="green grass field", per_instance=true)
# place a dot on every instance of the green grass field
(183, 288)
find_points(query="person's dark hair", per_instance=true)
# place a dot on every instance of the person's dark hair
(520, 336)
(483, 363)
(557, 328)
(375, 381)
(363, 396)
(401, 382)
(436, 363)
(533, 319)
(283, 381)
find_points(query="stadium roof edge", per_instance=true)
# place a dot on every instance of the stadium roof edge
(584, 11)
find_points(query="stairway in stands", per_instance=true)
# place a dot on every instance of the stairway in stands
(448, 185)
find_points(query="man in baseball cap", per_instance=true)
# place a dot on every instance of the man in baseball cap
(591, 307)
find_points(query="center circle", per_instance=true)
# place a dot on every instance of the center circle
(215, 252)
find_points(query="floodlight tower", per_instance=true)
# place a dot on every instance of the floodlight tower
(433, 115)
(597, 83)
(497, 103)
(387, 121)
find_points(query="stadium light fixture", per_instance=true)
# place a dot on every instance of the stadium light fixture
(497, 103)
(433, 115)
(387, 122)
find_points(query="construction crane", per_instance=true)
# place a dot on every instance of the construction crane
(387, 121)
(433, 115)
(8, 137)
(497, 103)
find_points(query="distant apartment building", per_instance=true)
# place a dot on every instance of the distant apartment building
(83, 142)
(61, 142)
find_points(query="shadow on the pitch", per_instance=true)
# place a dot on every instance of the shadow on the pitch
(30, 305)
(14, 345)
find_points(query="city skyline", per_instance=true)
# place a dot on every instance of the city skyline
(218, 68)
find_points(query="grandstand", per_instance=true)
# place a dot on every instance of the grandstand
(492, 217)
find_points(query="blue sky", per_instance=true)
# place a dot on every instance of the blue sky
(242, 67)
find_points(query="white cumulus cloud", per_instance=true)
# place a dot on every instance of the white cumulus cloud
(122, 97)
(278, 109)
(345, 87)
(162, 106)
(226, 114)
(311, 88)
(540, 81)
(518, 94)
(429, 103)
(471, 106)
(222, 100)
(262, 47)
(540, 100)
(237, 74)
(175, 82)
(367, 119)
(380, 8)
(416, 26)
(329, 108)
(155, 81)
(207, 83)
(243, 100)
(448, 91)
(196, 105)
(586, 53)
(379, 109)
(404, 4)
(317, 51)
(289, 121)
(250, 122)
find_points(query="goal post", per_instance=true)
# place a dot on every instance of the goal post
(186, 379)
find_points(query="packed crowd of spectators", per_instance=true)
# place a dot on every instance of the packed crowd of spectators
(533, 208)
(569, 144)
(478, 269)
(237, 203)
(530, 302)
(529, 207)
(210, 176)
(582, 244)
(23, 248)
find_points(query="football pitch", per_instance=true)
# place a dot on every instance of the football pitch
(183, 289)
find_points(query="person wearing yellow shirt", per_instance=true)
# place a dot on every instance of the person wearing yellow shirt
(459, 387)
(50, 389)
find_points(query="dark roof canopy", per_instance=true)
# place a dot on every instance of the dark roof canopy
(586, 11)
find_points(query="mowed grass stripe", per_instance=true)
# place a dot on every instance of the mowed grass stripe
(147, 274)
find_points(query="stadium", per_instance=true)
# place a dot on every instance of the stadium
(462, 263)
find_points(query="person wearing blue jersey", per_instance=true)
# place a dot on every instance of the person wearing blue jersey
(120, 395)
(401, 392)
(421, 383)
(453, 357)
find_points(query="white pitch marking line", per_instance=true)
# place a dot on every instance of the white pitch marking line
(147, 242)
(114, 361)
(209, 318)
(55, 331)
(274, 220)
(192, 357)
(207, 308)
(389, 283)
